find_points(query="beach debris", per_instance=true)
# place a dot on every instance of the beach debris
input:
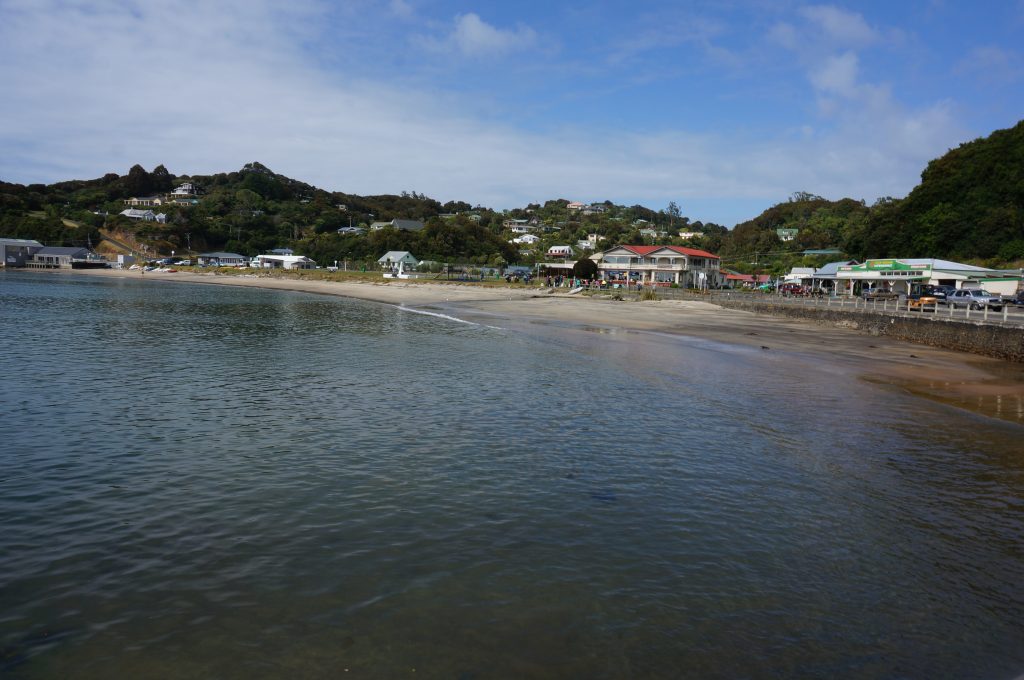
(914, 356)
(765, 347)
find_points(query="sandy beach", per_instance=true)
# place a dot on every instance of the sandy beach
(985, 386)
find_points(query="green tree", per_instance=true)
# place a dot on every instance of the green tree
(585, 268)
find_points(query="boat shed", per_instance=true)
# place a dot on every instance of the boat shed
(52, 257)
(15, 252)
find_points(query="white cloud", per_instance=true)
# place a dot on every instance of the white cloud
(471, 36)
(402, 9)
(992, 63)
(837, 75)
(110, 86)
(840, 27)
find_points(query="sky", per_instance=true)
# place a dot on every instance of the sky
(725, 107)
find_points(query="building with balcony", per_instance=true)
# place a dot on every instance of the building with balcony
(662, 265)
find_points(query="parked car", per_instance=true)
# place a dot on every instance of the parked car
(974, 298)
(922, 303)
(788, 289)
(879, 294)
(1016, 300)
(939, 292)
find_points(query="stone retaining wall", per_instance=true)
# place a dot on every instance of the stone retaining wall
(1001, 342)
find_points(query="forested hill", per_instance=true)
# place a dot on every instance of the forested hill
(969, 207)
(255, 209)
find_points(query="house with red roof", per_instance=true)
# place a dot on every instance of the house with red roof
(662, 265)
(737, 280)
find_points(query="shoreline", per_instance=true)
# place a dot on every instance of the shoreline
(989, 387)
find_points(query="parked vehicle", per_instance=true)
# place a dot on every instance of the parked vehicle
(1016, 300)
(922, 303)
(939, 292)
(879, 294)
(788, 289)
(974, 298)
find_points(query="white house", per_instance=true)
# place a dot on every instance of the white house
(184, 190)
(283, 262)
(560, 251)
(517, 226)
(528, 239)
(397, 257)
(801, 275)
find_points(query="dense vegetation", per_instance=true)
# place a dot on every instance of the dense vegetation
(969, 207)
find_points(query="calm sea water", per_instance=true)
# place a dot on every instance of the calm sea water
(211, 482)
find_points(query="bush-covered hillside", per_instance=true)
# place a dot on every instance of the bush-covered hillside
(969, 207)
(254, 210)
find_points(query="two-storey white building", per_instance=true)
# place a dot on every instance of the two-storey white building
(665, 265)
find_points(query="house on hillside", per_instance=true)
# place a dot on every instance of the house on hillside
(786, 235)
(518, 226)
(404, 225)
(144, 201)
(184, 190)
(136, 214)
(662, 265)
(560, 251)
(529, 239)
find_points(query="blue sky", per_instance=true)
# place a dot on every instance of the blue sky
(724, 107)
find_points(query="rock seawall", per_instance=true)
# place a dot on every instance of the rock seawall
(935, 330)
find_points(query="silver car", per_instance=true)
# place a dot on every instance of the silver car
(974, 298)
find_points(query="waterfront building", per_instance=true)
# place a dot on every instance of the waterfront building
(665, 265)
(222, 259)
(899, 275)
(393, 258)
(15, 252)
(283, 262)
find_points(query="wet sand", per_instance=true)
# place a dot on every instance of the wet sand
(986, 386)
